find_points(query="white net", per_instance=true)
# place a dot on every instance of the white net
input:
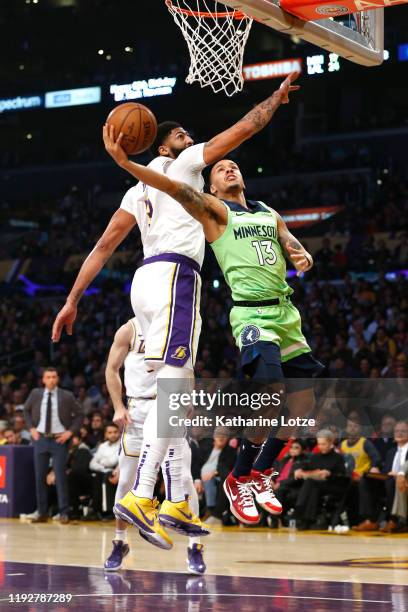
(216, 36)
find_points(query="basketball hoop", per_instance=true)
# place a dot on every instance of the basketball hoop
(216, 37)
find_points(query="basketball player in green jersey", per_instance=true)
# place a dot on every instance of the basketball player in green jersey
(250, 241)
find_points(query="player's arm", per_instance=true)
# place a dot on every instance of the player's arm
(117, 354)
(253, 122)
(118, 228)
(207, 209)
(301, 259)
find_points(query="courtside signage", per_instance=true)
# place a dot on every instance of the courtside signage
(149, 88)
(3, 464)
(271, 70)
(73, 97)
(403, 53)
(20, 103)
(302, 217)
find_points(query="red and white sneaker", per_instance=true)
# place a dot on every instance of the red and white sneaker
(261, 487)
(242, 505)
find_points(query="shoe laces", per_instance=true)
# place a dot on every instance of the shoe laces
(267, 482)
(245, 493)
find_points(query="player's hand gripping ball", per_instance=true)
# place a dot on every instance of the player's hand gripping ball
(137, 124)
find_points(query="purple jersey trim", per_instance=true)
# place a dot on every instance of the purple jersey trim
(173, 258)
(183, 321)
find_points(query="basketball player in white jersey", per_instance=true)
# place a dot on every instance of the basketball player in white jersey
(165, 292)
(128, 350)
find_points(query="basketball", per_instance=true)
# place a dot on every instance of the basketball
(138, 124)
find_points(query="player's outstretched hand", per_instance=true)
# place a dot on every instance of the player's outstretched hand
(299, 259)
(286, 87)
(113, 146)
(65, 318)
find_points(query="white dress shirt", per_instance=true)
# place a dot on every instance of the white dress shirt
(56, 425)
(211, 464)
(106, 457)
(399, 459)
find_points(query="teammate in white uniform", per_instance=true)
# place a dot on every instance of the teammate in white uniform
(165, 291)
(128, 350)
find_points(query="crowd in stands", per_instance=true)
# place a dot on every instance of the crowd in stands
(358, 329)
(343, 479)
(336, 480)
(356, 325)
(370, 233)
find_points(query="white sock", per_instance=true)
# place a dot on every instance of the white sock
(151, 457)
(190, 489)
(127, 474)
(173, 471)
(155, 449)
(188, 484)
(192, 541)
(121, 534)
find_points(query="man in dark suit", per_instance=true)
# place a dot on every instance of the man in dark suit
(51, 414)
(394, 467)
(324, 473)
(371, 499)
(385, 440)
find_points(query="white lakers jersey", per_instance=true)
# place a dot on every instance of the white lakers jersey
(164, 225)
(138, 382)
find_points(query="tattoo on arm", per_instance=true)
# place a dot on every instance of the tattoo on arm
(260, 116)
(294, 243)
(192, 201)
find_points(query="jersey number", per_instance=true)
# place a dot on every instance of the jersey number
(149, 210)
(263, 249)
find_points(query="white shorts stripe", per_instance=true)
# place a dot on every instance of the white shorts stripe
(293, 347)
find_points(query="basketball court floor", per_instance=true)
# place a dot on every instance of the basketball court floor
(247, 569)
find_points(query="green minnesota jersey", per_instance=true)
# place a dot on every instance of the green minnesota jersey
(249, 253)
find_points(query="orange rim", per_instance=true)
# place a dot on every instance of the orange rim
(206, 14)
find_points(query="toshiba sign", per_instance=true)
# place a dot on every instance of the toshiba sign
(271, 70)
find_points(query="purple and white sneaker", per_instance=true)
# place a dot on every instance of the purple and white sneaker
(195, 559)
(119, 552)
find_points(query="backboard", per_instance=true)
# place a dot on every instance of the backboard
(358, 37)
